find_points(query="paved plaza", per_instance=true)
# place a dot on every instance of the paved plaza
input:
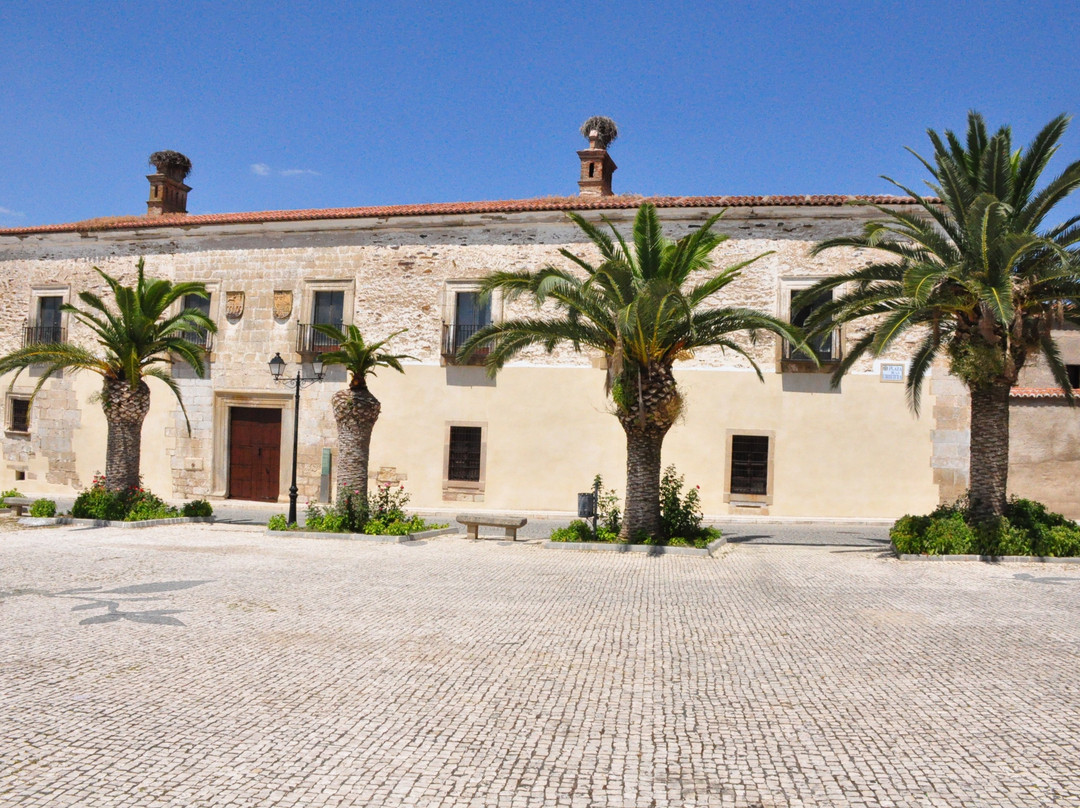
(204, 665)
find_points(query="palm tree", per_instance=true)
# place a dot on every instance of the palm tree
(975, 275)
(644, 309)
(135, 338)
(355, 409)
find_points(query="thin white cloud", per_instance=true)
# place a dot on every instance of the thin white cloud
(9, 212)
(296, 172)
(260, 169)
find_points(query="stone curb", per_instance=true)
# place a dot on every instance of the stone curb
(314, 534)
(30, 521)
(991, 559)
(648, 549)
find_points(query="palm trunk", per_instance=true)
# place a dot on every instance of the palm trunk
(989, 469)
(125, 410)
(651, 403)
(356, 411)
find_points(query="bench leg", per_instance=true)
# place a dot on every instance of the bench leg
(511, 533)
(17, 509)
(474, 532)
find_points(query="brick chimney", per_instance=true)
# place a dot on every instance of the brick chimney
(596, 164)
(168, 193)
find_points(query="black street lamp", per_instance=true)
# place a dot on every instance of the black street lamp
(277, 370)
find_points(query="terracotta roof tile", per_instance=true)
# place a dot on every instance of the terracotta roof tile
(1037, 392)
(451, 208)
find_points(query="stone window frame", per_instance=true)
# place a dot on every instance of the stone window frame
(9, 411)
(305, 313)
(785, 365)
(38, 291)
(448, 306)
(452, 489)
(770, 481)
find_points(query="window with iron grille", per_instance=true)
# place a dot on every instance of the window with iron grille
(20, 415)
(749, 464)
(47, 326)
(199, 336)
(465, 451)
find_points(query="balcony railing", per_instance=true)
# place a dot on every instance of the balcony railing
(310, 341)
(456, 335)
(43, 335)
(204, 339)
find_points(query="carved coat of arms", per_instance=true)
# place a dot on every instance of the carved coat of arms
(282, 304)
(234, 305)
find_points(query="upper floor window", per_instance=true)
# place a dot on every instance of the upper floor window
(469, 314)
(199, 336)
(46, 325)
(327, 308)
(825, 347)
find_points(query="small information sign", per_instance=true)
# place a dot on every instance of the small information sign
(892, 372)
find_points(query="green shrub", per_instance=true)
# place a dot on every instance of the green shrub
(354, 512)
(278, 522)
(908, 532)
(197, 508)
(11, 492)
(43, 508)
(576, 531)
(143, 506)
(1063, 541)
(949, 535)
(99, 502)
(1027, 529)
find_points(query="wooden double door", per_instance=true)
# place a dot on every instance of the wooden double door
(254, 453)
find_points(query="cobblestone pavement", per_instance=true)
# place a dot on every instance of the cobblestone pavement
(215, 666)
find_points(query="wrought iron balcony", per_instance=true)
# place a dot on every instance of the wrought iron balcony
(43, 335)
(310, 341)
(204, 339)
(456, 335)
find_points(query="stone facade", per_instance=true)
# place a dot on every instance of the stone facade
(547, 428)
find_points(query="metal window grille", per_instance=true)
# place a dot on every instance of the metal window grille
(465, 445)
(200, 336)
(749, 464)
(20, 415)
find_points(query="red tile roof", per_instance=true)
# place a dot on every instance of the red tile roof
(452, 208)
(1037, 392)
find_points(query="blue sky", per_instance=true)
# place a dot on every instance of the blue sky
(294, 105)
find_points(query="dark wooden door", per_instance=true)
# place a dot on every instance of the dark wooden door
(254, 453)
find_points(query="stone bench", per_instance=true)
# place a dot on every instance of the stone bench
(18, 503)
(473, 521)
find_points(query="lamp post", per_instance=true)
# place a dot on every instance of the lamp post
(277, 370)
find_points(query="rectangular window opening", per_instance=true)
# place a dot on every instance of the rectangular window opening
(19, 420)
(1074, 376)
(327, 308)
(821, 346)
(465, 451)
(470, 315)
(47, 326)
(200, 336)
(749, 464)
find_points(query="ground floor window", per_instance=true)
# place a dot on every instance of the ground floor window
(465, 461)
(465, 442)
(19, 414)
(749, 472)
(749, 464)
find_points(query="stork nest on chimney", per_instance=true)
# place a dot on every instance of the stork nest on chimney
(169, 161)
(603, 126)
